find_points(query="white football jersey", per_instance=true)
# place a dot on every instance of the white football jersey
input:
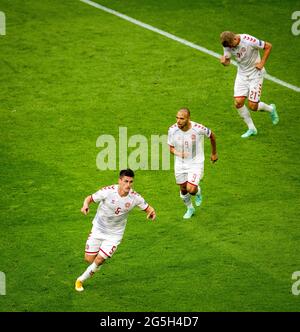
(111, 216)
(246, 54)
(190, 142)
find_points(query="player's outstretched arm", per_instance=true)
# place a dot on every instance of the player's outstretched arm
(85, 207)
(267, 51)
(150, 213)
(213, 142)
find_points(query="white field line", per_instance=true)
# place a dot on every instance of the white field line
(181, 40)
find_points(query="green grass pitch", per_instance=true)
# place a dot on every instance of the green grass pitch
(70, 73)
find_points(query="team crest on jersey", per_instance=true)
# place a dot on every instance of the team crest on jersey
(127, 205)
(193, 137)
(113, 201)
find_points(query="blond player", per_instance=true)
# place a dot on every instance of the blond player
(115, 203)
(186, 142)
(250, 75)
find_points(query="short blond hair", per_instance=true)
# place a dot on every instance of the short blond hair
(226, 38)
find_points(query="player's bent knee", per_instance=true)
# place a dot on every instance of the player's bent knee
(253, 106)
(239, 102)
(183, 187)
(89, 258)
(99, 260)
(192, 189)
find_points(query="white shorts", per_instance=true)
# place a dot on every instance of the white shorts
(250, 88)
(98, 243)
(192, 175)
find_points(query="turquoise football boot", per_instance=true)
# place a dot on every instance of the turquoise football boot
(198, 199)
(189, 213)
(274, 115)
(249, 132)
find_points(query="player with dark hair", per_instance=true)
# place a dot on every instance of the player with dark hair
(186, 142)
(109, 223)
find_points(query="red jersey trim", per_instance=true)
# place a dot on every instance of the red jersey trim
(91, 252)
(104, 253)
(146, 208)
(195, 185)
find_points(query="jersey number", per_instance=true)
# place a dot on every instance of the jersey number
(112, 250)
(253, 95)
(118, 210)
(194, 177)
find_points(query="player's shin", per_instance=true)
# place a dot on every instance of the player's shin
(198, 198)
(90, 271)
(186, 199)
(263, 107)
(245, 115)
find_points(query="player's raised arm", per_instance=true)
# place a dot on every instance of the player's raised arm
(85, 207)
(150, 213)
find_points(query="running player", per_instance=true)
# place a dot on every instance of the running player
(186, 141)
(250, 75)
(116, 201)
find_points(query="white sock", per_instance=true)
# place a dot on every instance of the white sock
(89, 272)
(245, 114)
(264, 107)
(199, 191)
(186, 199)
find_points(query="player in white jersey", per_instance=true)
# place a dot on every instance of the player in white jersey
(186, 142)
(250, 75)
(115, 203)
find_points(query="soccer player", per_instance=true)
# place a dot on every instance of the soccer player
(186, 142)
(116, 201)
(250, 75)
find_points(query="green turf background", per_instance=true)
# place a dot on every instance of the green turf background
(69, 73)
